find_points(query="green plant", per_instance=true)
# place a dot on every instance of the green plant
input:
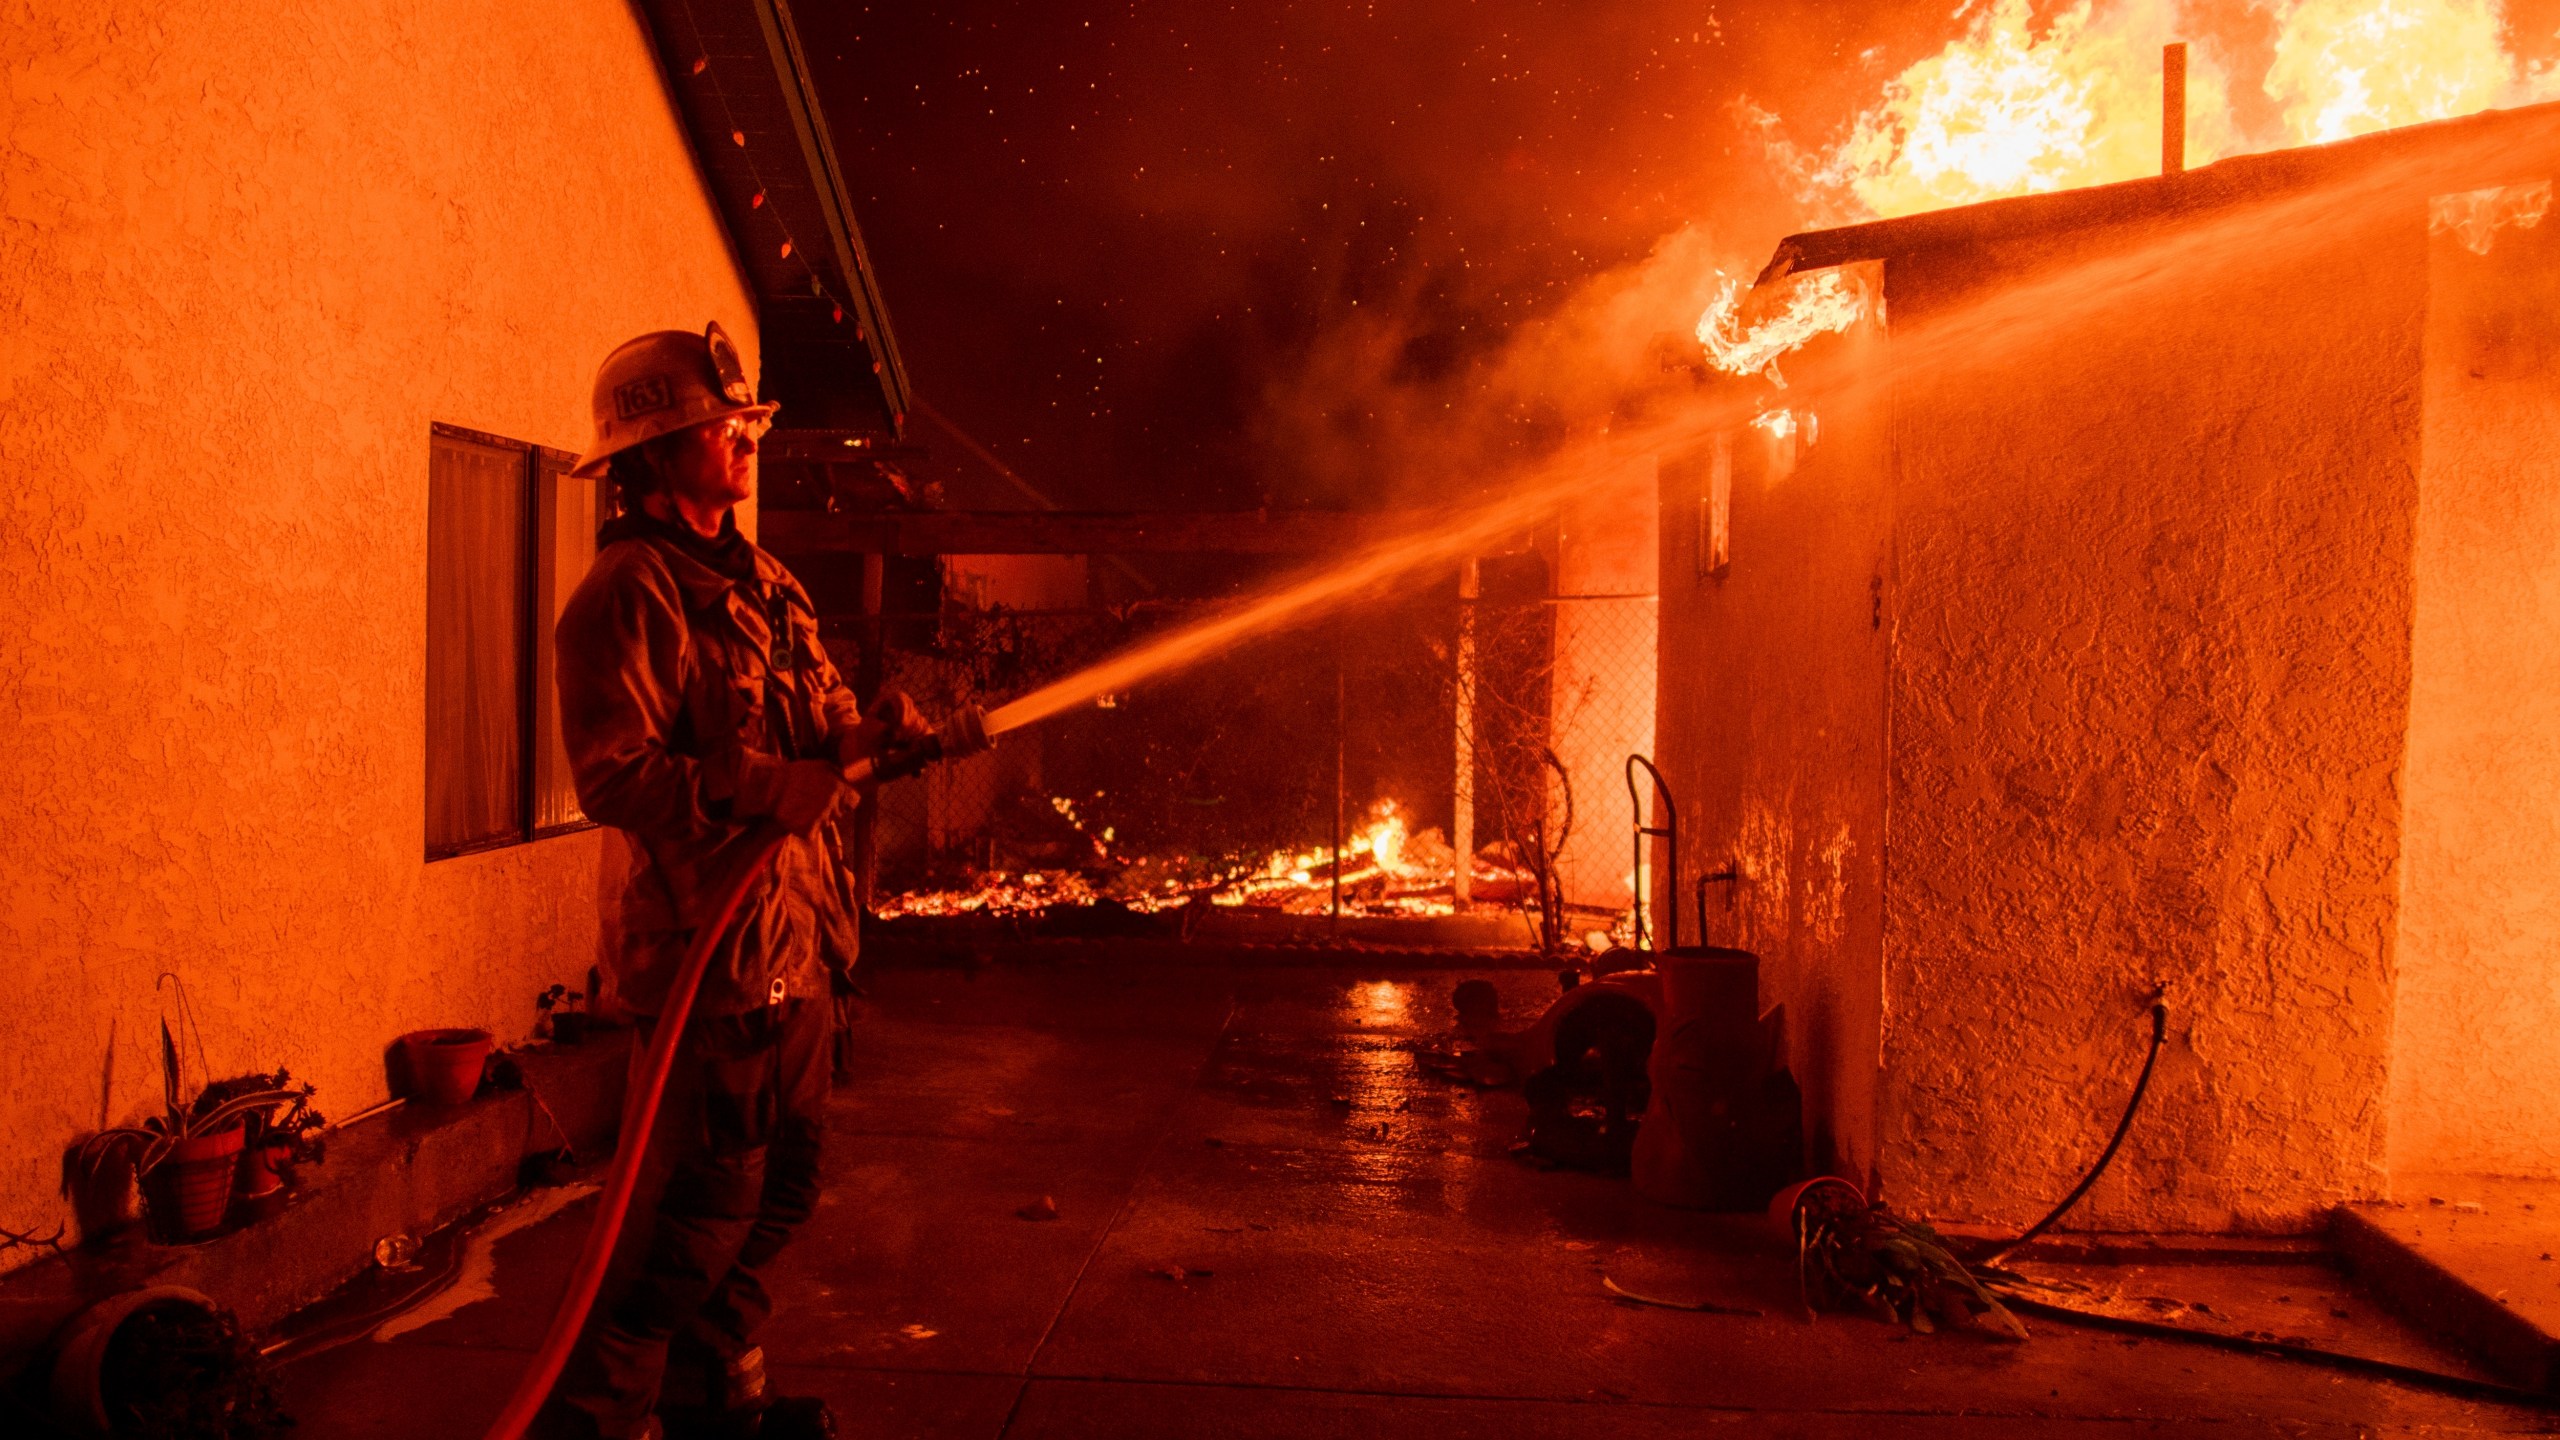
(1850, 1254)
(297, 1131)
(214, 1109)
(564, 1000)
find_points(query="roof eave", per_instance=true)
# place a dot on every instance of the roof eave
(745, 96)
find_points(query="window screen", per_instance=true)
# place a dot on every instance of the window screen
(568, 512)
(475, 644)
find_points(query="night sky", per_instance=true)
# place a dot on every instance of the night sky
(1144, 251)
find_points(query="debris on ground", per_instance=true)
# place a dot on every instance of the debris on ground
(1851, 1254)
(1703, 1307)
(1044, 1208)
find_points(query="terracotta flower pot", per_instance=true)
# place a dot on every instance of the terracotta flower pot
(258, 1191)
(445, 1065)
(189, 1191)
(1783, 1205)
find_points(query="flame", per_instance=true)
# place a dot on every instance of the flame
(2350, 67)
(1777, 424)
(1794, 312)
(2476, 216)
(1387, 869)
(2012, 107)
(2006, 109)
(1373, 852)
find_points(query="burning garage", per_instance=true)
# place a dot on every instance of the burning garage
(2180, 639)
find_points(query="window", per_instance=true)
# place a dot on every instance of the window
(509, 536)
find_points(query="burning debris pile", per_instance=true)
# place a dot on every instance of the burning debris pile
(1232, 792)
(1385, 869)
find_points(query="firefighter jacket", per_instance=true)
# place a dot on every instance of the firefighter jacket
(676, 681)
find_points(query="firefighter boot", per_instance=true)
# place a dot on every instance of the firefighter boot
(744, 1408)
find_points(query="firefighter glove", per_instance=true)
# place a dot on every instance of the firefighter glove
(894, 722)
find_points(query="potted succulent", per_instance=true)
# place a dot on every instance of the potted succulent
(186, 1158)
(563, 1017)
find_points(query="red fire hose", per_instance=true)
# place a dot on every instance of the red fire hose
(965, 733)
(639, 1113)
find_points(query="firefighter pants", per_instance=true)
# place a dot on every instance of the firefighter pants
(731, 1171)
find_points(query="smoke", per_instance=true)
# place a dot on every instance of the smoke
(1289, 256)
(1238, 256)
(1380, 409)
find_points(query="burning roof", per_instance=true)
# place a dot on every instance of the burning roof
(2488, 151)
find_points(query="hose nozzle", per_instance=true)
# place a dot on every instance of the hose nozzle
(962, 735)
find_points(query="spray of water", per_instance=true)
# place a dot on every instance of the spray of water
(1601, 466)
(2263, 235)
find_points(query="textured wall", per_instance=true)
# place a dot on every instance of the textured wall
(1772, 715)
(2148, 699)
(243, 266)
(2475, 1080)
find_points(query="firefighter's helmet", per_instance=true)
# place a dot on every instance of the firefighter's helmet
(663, 382)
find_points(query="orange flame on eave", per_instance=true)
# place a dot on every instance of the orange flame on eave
(2015, 106)
(1811, 305)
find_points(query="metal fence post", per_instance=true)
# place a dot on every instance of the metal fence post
(1340, 693)
(870, 670)
(1462, 816)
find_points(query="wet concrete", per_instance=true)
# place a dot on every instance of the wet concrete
(1272, 1222)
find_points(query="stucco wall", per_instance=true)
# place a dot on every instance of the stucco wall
(2147, 703)
(1771, 735)
(245, 261)
(2475, 1082)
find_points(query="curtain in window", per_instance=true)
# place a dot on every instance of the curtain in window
(475, 621)
(571, 512)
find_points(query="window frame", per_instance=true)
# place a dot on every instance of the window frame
(532, 631)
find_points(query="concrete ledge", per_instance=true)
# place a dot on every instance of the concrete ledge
(2480, 1276)
(410, 1171)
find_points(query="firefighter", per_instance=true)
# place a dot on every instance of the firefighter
(696, 703)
